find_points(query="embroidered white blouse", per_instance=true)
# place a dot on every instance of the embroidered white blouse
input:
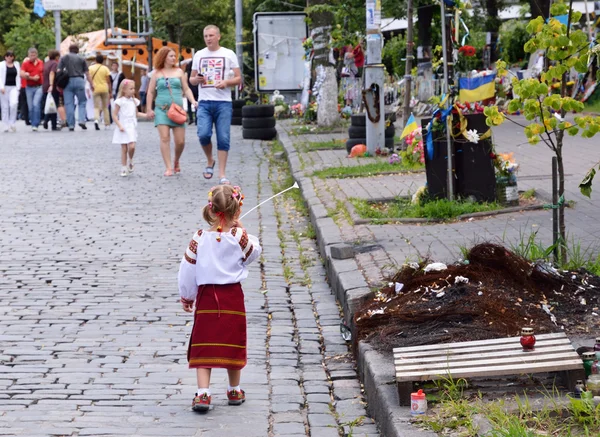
(208, 261)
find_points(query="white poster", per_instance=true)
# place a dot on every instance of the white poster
(371, 14)
(65, 5)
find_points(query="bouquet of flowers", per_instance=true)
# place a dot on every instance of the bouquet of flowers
(415, 152)
(505, 165)
(296, 110)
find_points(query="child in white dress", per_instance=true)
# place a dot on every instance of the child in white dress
(125, 113)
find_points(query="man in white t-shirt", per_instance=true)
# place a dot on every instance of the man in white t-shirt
(210, 70)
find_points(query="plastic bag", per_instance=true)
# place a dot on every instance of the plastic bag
(50, 107)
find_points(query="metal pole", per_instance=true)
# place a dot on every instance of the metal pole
(57, 29)
(450, 173)
(587, 19)
(555, 209)
(239, 50)
(409, 58)
(374, 78)
(137, 15)
(129, 15)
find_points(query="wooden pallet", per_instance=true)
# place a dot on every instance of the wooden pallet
(495, 357)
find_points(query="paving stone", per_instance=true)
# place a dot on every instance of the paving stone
(90, 320)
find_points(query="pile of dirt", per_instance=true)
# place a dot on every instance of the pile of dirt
(493, 295)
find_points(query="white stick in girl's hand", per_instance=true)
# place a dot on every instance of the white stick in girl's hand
(272, 197)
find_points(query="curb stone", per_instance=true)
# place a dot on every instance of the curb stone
(376, 371)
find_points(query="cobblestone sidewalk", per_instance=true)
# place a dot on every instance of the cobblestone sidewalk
(92, 337)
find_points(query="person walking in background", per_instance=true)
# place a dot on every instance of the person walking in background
(125, 114)
(32, 71)
(145, 80)
(210, 67)
(168, 84)
(102, 91)
(210, 272)
(116, 77)
(194, 88)
(10, 84)
(49, 89)
(22, 107)
(76, 68)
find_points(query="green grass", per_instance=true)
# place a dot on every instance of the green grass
(325, 145)
(593, 107)
(314, 129)
(366, 170)
(435, 209)
(532, 248)
(529, 194)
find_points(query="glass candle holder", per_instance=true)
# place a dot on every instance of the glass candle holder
(527, 339)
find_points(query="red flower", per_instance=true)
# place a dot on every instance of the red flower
(467, 50)
(493, 155)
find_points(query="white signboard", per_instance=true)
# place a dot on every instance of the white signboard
(279, 63)
(65, 5)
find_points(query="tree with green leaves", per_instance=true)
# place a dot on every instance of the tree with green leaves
(565, 48)
(28, 33)
(11, 11)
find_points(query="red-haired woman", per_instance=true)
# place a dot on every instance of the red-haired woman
(168, 85)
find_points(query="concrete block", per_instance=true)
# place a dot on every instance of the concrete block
(342, 251)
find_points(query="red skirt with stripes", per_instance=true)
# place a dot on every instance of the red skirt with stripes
(219, 334)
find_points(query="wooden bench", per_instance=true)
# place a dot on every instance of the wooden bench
(495, 357)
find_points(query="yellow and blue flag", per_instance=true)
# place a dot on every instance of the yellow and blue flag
(411, 125)
(474, 89)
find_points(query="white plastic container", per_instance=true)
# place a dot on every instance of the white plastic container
(418, 403)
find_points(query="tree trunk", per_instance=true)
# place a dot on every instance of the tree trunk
(539, 8)
(561, 192)
(327, 111)
(492, 25)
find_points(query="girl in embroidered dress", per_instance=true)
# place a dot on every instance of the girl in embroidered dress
(214, 264)
(125, 114)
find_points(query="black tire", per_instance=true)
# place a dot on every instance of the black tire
(389, 143)
(361, 132)
(361, 119)
(255, 111)
(236, 121)
(258, 123)
(259, 134)
(357, 132)
(237, 112)
(238, 103)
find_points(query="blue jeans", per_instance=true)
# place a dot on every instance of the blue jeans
(75, 87)
(219, 113)
(34, 104)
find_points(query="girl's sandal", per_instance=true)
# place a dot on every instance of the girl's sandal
(176, 168)
(168, 172)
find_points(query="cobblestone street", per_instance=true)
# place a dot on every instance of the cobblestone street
(93, 339)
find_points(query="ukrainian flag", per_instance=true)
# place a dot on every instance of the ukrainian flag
(475, 89)
(411, 125)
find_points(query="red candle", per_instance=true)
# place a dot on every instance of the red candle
(527, 339)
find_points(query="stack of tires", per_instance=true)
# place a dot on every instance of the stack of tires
(236, 117)
(357, 132)
(258, 122)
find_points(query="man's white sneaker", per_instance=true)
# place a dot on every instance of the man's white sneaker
(96, 125)
(13, 128)
(130, 167)
(34, 129)
(124, 171)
